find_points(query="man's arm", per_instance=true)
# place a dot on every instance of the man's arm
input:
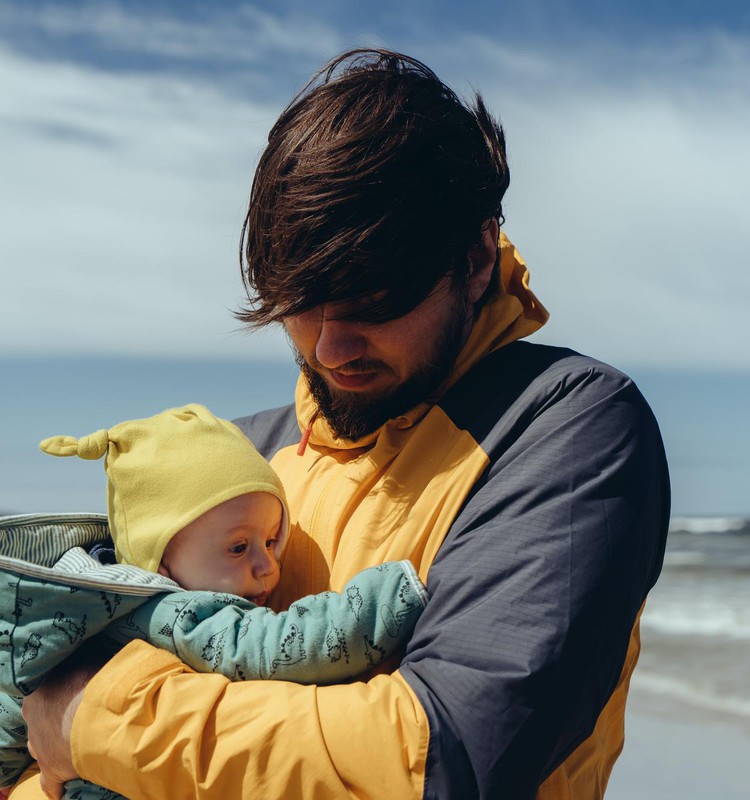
(202, 736)
(537, 587)
(49, 713)
(533, 597)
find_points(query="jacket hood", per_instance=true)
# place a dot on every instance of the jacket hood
(511, 311)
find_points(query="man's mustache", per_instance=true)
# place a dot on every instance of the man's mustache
(358, 366)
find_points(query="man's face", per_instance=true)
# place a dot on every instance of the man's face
(362, 374)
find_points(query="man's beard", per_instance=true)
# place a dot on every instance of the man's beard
(355, 414)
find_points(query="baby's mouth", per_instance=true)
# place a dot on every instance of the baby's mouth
(259, 599)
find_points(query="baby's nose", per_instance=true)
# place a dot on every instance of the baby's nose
(264, 564)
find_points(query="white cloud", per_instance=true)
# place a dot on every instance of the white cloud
(240, 36)
(125, 196)
(125, 193)
(629, 193)
(650, 197)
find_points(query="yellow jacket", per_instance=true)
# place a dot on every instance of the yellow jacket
(533, 500)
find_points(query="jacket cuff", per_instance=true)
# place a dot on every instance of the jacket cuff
(106, 696)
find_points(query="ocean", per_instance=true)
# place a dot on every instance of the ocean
(696, 625)
(687, 726)
(41, 397)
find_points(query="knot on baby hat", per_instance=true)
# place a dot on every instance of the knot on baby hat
(89, 447)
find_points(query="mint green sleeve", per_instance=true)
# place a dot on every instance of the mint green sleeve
(14, 757)
(322, 638)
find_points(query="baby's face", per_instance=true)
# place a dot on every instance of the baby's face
(229, 549)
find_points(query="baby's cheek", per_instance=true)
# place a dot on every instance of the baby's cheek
(276, 576)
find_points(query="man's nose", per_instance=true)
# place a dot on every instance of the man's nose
(339, 342)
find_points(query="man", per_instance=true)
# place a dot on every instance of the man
(526, 483)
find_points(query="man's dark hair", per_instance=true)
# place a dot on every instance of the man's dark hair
(375, 184)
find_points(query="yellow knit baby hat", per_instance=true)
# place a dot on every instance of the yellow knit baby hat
(165, 471)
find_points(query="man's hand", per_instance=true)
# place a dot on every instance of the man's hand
(49, 713)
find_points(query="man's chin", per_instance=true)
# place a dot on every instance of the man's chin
(351, 414)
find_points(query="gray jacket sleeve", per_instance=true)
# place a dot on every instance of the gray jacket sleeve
(537, 586)
(323, 638)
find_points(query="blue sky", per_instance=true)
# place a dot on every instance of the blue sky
(129, 132)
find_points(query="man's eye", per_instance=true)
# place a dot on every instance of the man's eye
(238, 549)
(369, 300)
(359, 308)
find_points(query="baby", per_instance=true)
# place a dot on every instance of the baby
(190, 498)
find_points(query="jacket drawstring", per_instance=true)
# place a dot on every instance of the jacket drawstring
(306, 435)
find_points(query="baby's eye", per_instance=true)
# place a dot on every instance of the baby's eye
(238, 549)
(270, 544)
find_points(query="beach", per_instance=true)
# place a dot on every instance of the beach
(687, 730)
(676, 750)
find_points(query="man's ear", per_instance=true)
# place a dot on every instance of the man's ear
(482, 261)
